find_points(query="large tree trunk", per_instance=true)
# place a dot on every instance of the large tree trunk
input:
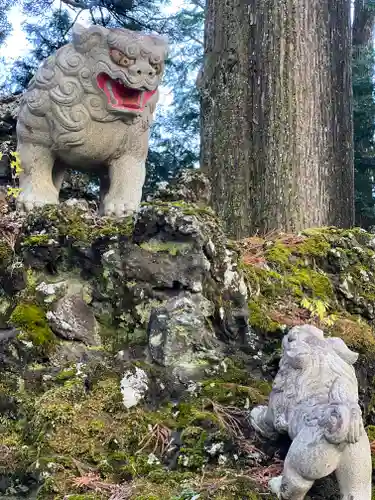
(277, 138)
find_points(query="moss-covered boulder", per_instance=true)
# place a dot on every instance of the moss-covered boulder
(117, 370)
(131, 351)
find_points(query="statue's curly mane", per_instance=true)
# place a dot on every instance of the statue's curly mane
(321, 363)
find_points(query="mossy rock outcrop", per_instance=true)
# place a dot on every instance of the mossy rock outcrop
(325, 277)
(131, 352)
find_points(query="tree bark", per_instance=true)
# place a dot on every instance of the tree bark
(276, 121)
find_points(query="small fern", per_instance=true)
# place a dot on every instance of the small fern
(16, 169)
(318, 309)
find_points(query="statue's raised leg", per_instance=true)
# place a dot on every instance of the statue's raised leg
(127, 176)
(354, 474)
(36, 185)
(259, 420)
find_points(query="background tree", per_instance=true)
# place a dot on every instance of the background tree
(4, 24)
(277, 113)
(364, 110)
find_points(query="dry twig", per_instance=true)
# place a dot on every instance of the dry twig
(262, 475)
(231, 419)
(159, 437)
(93, 482)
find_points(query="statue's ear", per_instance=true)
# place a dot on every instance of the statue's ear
(77, 30)
(339, 346)
(162, 42)
(84, 39)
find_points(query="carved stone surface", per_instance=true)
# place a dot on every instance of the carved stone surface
(89, 107)
(314, 399)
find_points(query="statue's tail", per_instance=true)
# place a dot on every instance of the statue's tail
(342, 423)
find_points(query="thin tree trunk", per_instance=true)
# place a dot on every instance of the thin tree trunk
(277, 140)
(363, 90)
(363, 22)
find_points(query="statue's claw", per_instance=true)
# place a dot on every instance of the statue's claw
(275, 485)
(118, 210)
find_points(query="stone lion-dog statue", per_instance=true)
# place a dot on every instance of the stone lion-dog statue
(89, 107)
(314, 399)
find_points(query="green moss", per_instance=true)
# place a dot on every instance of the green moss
(75, 224)
(259, 318)
(6, 253)
(265, 282)
(36, 240)
(233, 394)
(278, 254)
(94, 422)
(285, 277)
(191, 414)
(186, 208)
(293, 281)
(170, 247)
(56, 406)
(66, 374)
(304, 280)
(112, 227)
(67, 425)
(32, 322)
(69, 221)
(192, 451)
(370, 430)
(139, 465)
(356, 333)
(19, 454)
(316, 245)
(233, 385)
(220, 484)
(28, 294)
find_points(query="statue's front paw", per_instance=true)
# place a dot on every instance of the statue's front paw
(117, 209)
(30, 198)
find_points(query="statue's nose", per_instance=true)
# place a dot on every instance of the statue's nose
(144, 69)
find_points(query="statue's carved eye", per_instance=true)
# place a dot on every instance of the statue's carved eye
(120, 58)
(157, 67)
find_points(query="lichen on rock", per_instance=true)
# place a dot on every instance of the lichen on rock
(181, 337)
(133, 386)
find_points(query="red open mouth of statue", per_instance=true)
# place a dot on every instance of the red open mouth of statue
(121, 97)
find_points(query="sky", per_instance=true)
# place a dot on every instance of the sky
(16, 45)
